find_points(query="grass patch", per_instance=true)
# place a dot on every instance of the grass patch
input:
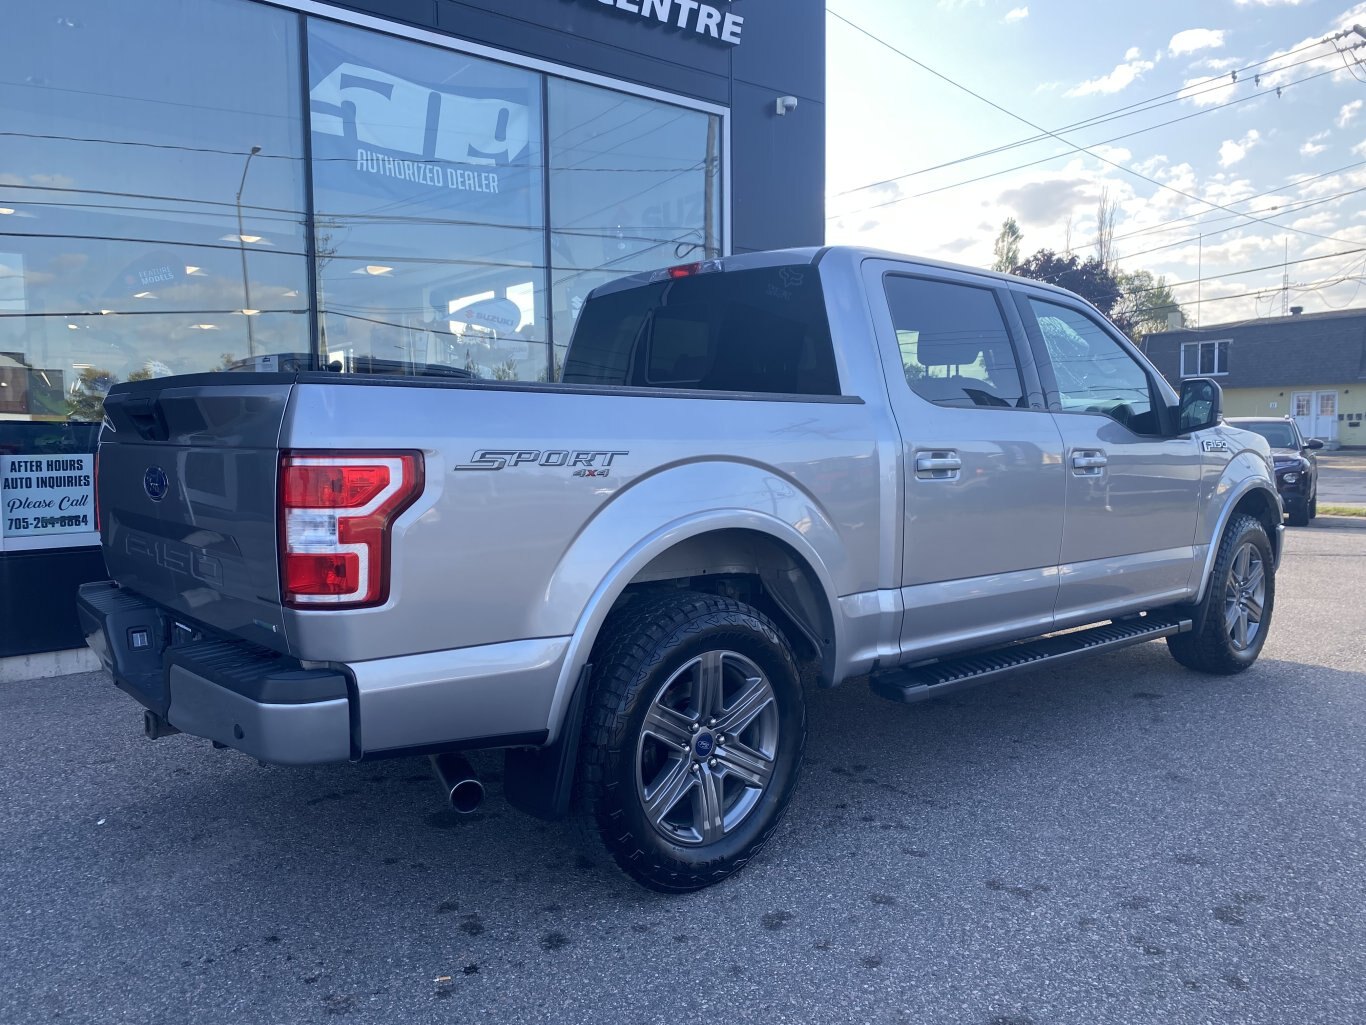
(1342, 510)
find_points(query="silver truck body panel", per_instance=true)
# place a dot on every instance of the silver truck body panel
(490, 690)
(506, 567)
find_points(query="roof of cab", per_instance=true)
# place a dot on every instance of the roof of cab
(854, 254)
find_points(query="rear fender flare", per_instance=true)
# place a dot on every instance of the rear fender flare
(584, 580)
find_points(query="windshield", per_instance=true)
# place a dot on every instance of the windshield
(1277, 435)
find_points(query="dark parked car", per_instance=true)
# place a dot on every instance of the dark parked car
(1297, 468)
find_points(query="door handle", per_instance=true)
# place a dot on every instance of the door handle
(1089, 462)
(938, 465)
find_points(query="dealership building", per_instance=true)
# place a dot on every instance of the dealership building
(192, 185)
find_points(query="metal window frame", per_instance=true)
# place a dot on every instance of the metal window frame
(545, 67)
(546, 70)
(1199, 343)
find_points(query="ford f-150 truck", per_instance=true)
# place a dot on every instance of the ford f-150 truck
(815, 465)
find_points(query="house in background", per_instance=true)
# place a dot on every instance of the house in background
(1311, 366)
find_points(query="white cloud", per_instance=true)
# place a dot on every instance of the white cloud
(1230, 152)
(1133, 53)
(1016, 14)
(1313, 146)
(1193, 39)
(1218, 63)
(1120, 78)
(1348, 112)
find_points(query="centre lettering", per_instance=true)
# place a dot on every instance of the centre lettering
(702, 18)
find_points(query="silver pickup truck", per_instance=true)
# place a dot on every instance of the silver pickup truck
(808, 466)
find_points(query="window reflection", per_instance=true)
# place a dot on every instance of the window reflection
(151, 200)
(634, 185)
(428, 194)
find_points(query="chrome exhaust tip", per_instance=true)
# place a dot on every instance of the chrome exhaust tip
(458, 779)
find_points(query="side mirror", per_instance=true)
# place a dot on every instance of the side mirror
(1202, 405)
(1314, 443)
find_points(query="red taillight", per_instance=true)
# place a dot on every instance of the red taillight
(336, 510)
(684, 270)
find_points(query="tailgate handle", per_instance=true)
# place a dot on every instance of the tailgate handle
(147, 418)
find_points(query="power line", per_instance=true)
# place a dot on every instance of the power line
(1298, 208)
(1052, 279)
(1084, 149)
(1130, 110)
(1079, 148)
(1248, 199)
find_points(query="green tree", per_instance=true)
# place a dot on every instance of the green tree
(1007, 248)
(1087, 278)
(1144, 305)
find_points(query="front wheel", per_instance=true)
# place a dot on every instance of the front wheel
(693, 738)
(1236, 610)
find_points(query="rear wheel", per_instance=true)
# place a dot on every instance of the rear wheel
(1236, 610)
(693, 738)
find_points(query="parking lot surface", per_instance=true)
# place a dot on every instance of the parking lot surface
(1120, 841)
(1342, 478)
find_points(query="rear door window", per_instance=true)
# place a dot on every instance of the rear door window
(955, 347)
(763, 330)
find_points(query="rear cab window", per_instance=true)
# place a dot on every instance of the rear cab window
(761, 330)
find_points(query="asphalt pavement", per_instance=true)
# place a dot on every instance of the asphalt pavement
(1121, 841)
(1342, 477)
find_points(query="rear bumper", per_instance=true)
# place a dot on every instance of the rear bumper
(271, 707)
(262, 703)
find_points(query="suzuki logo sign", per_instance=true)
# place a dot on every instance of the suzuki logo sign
(702, 18)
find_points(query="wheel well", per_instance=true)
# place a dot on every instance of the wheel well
(760, 570)
(1259, 503)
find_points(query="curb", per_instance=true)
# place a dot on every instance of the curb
(1336, 522)
(47, 665)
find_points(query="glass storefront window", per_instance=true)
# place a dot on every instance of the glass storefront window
(179, 193)
(427, 185)
(635, 184)
(151, 198)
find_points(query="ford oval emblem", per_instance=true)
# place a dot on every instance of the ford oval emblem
(154, 482)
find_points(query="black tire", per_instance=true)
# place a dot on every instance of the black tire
(1314, 506)
(650, 661)
(1215, 647)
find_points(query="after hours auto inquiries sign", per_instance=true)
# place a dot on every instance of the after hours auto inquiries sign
(47, 495)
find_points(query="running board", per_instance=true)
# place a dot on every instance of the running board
(937, 678)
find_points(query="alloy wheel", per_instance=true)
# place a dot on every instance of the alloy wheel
(707, 749)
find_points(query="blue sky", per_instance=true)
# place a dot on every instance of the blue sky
(1058, 63)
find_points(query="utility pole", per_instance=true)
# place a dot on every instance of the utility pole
(1285, 279)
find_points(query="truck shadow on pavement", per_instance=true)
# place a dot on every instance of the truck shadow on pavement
(880, 781)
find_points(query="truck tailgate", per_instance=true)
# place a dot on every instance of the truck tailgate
(188, 471)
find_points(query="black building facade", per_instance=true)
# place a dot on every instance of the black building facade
(190, 185)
